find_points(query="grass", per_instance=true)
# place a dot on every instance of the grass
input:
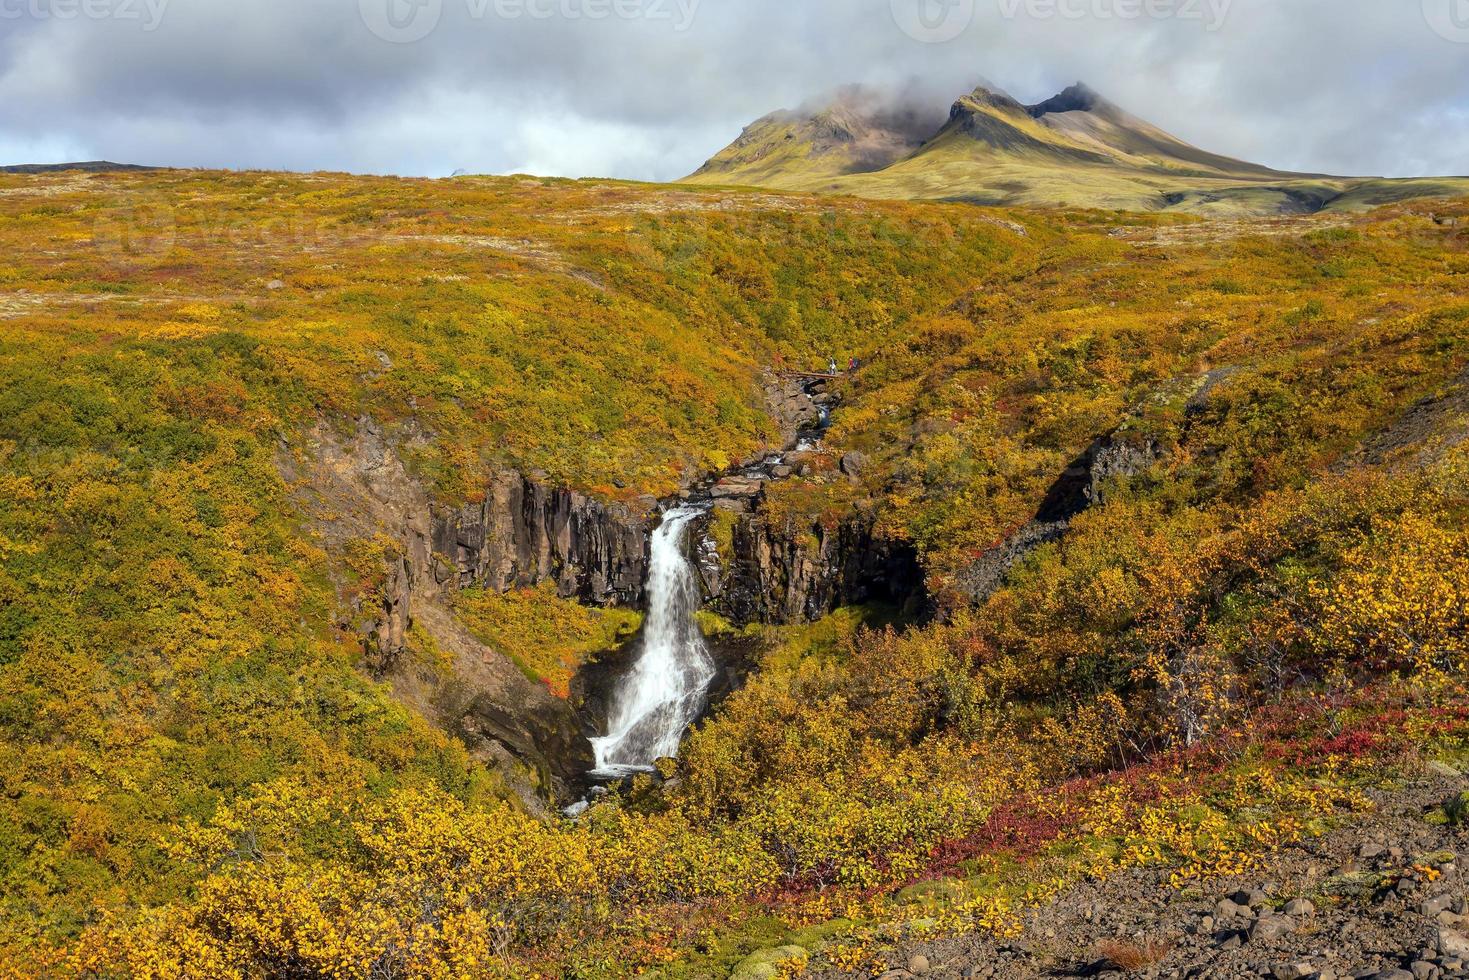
(178, 691)
(549, 637)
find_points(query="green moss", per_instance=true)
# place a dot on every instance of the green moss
(766, 964)
(827, 639)
(943, 892)
(547, 636)
(722, 525)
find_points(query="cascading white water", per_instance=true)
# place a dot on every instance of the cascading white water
(654, 705)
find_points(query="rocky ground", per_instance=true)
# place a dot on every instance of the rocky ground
(1382, 898)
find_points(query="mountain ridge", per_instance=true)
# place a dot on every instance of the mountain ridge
(1075, 148)
(87, 166)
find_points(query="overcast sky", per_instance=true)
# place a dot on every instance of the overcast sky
(648, 89)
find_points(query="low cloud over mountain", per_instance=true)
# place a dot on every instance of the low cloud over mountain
(643, 88)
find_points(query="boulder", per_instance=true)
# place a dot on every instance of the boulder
(1294, 971)
(737, 486)
(766, 964)
(1453, 944)
(1431, 907)
(1271, 928)
(1252, 899)
(1228, 908)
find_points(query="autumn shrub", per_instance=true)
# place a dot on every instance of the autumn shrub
(1130, 956)
(200, 777)
(1401, 600)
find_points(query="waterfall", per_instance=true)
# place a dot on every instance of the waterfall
(654, 705)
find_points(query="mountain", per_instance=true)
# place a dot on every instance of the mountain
(90, 166)
(1076, 148)
(858, 130)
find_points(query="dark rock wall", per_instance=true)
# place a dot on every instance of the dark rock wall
(1081, 486)
(525, 534)
(784, 573)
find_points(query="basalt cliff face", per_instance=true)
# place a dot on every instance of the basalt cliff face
(522, 533)
(781, 569)
(782, 572)
(526, 533)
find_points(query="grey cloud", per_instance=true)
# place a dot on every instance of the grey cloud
(1351, 86)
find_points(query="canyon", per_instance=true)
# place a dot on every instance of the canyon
(525, 533)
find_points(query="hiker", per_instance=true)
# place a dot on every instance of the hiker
(852, 366)
(831, 366)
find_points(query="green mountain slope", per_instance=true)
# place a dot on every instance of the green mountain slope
(856, 132)
(1074, 149)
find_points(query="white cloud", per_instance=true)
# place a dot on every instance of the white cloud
(1347, 86)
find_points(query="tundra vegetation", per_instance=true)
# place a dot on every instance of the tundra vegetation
(200, 778)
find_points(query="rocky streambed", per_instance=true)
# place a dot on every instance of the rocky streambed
(768, 569)
(783, 570)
